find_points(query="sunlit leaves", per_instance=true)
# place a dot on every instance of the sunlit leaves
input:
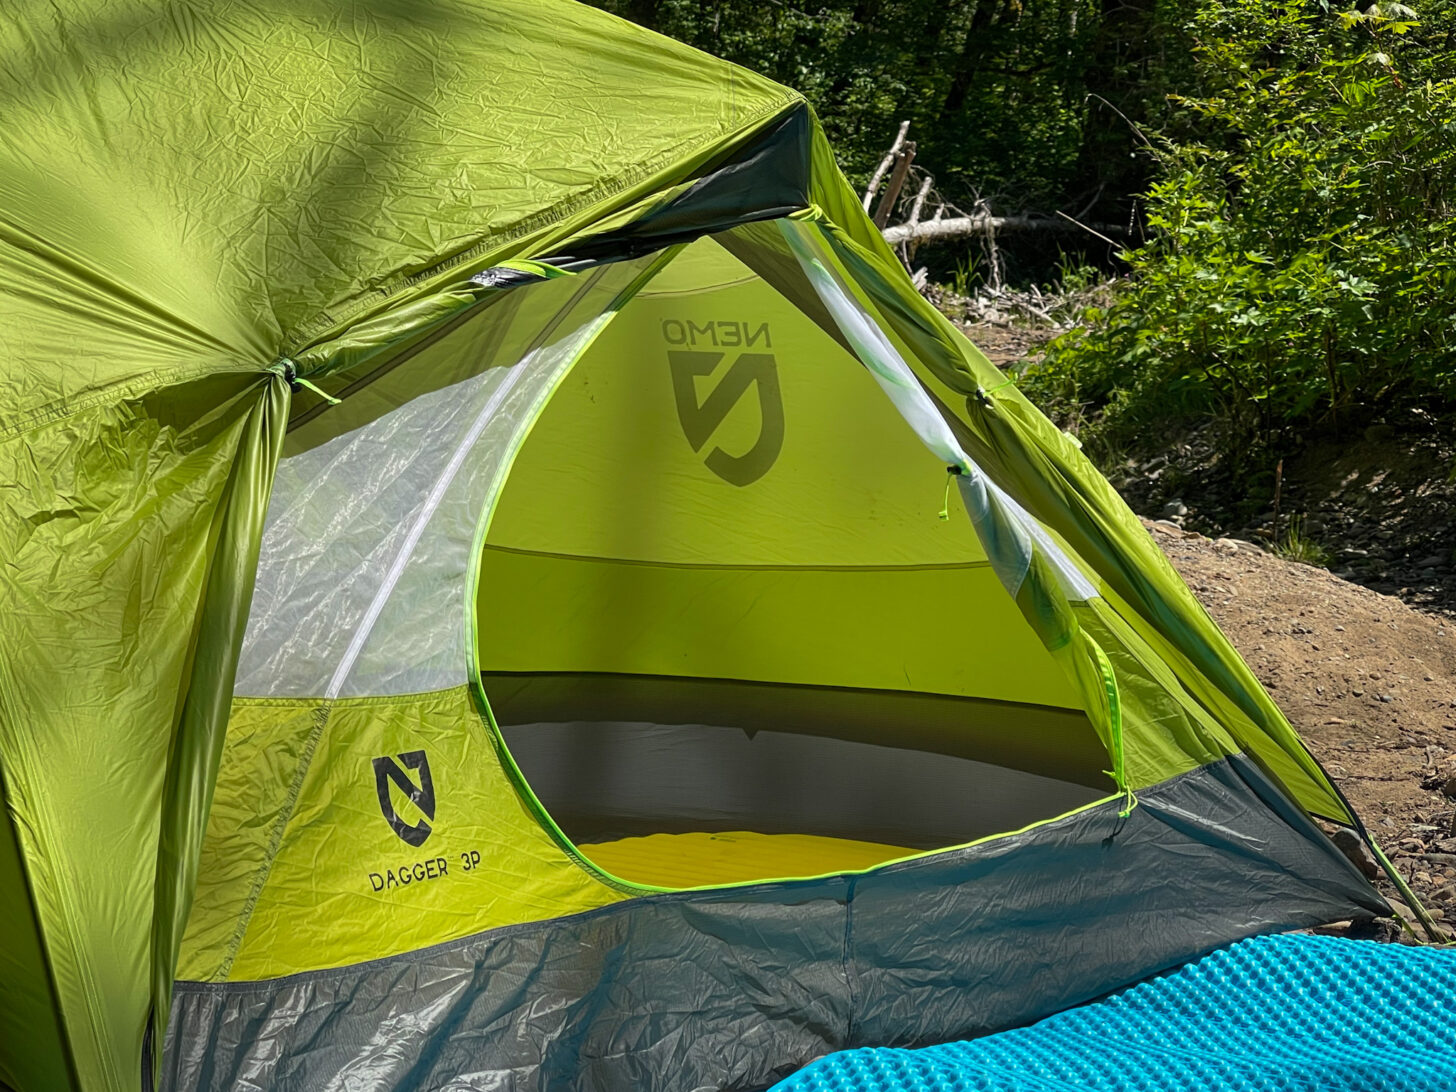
(1302, 265)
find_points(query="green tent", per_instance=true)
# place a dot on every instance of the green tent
(506, 585)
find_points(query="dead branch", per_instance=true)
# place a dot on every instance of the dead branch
(885, 164)
(1085, 228)
(897, 183)
(916, 206)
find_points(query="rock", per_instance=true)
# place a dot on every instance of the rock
(1226, 545)
(1353, 847)
(1448, 790)
(1382, 929)
(1435, 561)
(1174, 509)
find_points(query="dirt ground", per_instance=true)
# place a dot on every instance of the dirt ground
(1369, 683)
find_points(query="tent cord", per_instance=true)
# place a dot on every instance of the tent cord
(951, 473)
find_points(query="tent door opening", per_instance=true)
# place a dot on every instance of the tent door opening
(722, 629)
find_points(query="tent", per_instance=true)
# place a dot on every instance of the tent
(507, 585)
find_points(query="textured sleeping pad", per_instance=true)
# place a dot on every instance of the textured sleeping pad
(1272, 1014)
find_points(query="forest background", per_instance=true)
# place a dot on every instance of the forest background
(1274, 182)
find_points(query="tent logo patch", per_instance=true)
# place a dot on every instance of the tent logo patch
(701, 419)
(386, 772)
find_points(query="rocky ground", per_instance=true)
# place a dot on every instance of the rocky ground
(1367, 680)
(1377, 508)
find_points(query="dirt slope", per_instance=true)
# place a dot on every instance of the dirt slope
(1369, 682)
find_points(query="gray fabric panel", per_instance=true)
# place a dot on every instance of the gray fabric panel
(733, 989)
(609, 780)
(1090, 904)
(679, 993)
(1040, 739)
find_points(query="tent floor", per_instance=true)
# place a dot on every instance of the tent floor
(704, 860)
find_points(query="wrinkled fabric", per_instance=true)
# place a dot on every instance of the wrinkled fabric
(199, 203)
(129, 539)
(733, 989)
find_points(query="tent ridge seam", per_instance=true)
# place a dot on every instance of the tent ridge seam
(307, 333)
(778, 684)
(260, 701)
(929, 566)
(61, 409)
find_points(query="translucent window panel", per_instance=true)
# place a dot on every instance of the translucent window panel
(898, 381)
(361, 577)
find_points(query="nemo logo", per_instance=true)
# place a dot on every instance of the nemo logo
(700, 419)
(389, 772)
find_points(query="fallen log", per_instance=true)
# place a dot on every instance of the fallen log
(959, 227)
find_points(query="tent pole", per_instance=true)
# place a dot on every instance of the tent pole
(1428, 923)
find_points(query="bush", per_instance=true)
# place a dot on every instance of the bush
(1301, 270)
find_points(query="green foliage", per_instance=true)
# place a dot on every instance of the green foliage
(966, 274)
(1020, 103)
(1295, 545)
(1302, 262)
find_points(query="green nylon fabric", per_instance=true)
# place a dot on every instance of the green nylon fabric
(192, 191)
(1046, 472)
(203, 720)
(129, 533)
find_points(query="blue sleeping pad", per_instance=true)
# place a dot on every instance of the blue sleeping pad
(1271, 1014)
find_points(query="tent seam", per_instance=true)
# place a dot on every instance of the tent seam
(935, 566)
(275, 839)
(721, 893)
(61, 409)
(308, 332)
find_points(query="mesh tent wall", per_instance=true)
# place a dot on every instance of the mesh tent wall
(315, 718)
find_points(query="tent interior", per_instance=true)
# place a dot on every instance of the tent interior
(723, 626)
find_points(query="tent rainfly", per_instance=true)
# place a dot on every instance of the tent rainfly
(507, 585)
